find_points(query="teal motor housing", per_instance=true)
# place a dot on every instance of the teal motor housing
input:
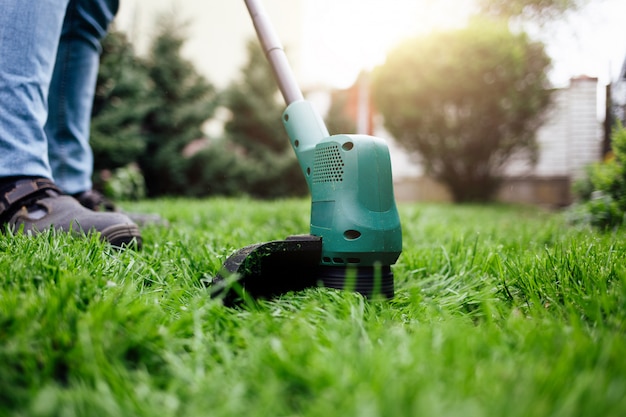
(353, 208)
(355, 233)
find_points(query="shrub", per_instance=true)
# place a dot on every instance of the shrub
(125, 183)
(605, 206)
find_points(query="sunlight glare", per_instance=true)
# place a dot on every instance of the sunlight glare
(347, 36)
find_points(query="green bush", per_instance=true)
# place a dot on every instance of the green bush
(126, 183)
(603, 193)
(215, 170)
(583, 187)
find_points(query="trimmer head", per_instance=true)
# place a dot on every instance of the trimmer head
(273, 268)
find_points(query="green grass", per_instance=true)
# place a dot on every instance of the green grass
(499, 311)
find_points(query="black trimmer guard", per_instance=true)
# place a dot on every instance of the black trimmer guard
(266, 270)
(269, 269)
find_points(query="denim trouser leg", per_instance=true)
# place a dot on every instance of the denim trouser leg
(29, 37)
(72, 91)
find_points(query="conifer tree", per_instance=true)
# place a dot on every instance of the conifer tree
(120, 104)
(182, 100)
(256, 130)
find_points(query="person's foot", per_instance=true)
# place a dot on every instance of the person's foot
(96, 201)
(35, 205)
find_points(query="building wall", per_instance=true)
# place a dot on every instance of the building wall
(585, 132)
(571, 137)
(540, 191)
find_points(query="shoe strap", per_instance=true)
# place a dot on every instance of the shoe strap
(94, 200)
(23, 190)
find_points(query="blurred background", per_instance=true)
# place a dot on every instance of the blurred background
(198, 132)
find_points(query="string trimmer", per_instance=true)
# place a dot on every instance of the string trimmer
(355, 233)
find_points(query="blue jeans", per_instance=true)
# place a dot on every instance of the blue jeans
(49, 58)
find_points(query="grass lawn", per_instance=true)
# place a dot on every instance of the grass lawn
(499, 311)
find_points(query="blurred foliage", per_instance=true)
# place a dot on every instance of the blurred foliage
(270, 167)
(126, 183)
(182, 100)
(536, 10)
(583, 187)
(465, 101)
(120, 104)
(151, 111)
(216, 170)
(603, 191)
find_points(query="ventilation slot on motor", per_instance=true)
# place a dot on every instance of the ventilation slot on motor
(328, 164)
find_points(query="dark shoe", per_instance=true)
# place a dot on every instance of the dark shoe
(95, 201)
(35, 205)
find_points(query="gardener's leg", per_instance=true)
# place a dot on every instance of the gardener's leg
(72, 92)
(26, 64)
(29, 199)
